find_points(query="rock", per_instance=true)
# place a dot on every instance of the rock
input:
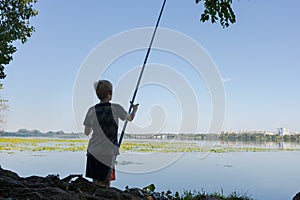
(13, 187)
(54, 193)
(297, 196)
(9, 174)
(109, 194)
(209, 198)
(9, 182)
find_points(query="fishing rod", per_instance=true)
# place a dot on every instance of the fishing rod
(141, 74)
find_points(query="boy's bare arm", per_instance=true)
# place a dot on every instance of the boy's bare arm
(87, 130)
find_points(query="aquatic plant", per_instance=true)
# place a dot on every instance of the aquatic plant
(52, 144)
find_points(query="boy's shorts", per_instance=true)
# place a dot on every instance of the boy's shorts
(96, 169)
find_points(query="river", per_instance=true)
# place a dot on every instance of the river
(261, 175)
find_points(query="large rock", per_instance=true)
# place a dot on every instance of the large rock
(297, 196)
(51, 187)
(13, 187)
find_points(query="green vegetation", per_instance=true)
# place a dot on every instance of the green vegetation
(188, 195)
(37, 144)
(3, 108)
(49, 144)
(244, 137)
(37, 133)
(15, 26)
(217, 10)
(199, 195)
(259, 137)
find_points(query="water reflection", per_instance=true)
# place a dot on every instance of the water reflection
(270, 145)
(281, 145)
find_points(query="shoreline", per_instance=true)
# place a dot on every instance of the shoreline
(76, 187)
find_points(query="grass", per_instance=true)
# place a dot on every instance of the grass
(195, 195)
(49, 144)
(41, 144)
(188, 195)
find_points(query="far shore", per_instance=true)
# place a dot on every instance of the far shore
(11, 144)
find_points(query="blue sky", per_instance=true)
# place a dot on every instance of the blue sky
(258, 57)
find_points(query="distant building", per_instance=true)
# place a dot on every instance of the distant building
(270, 133)
(283, 131)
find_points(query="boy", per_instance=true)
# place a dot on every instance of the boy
(102, 120)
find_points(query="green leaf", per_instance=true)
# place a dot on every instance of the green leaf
(218, 11)
(14, 26)
(150, 187)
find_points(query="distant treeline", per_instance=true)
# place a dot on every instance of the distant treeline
(246, 137)
(259, 137)
(37, 133)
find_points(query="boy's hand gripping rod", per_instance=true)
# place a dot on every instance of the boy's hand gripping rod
(141, 74)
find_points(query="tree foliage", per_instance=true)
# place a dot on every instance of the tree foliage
(218, 10)
(3, 108)
(14, 26)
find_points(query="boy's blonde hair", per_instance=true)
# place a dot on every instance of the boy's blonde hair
(103, 88)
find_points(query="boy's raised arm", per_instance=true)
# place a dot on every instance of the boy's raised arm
(131, 116)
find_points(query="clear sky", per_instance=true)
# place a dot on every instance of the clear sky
(258, 58)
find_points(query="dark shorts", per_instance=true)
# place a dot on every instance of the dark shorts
(96, 169)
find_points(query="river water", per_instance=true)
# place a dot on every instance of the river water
(270, 175)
